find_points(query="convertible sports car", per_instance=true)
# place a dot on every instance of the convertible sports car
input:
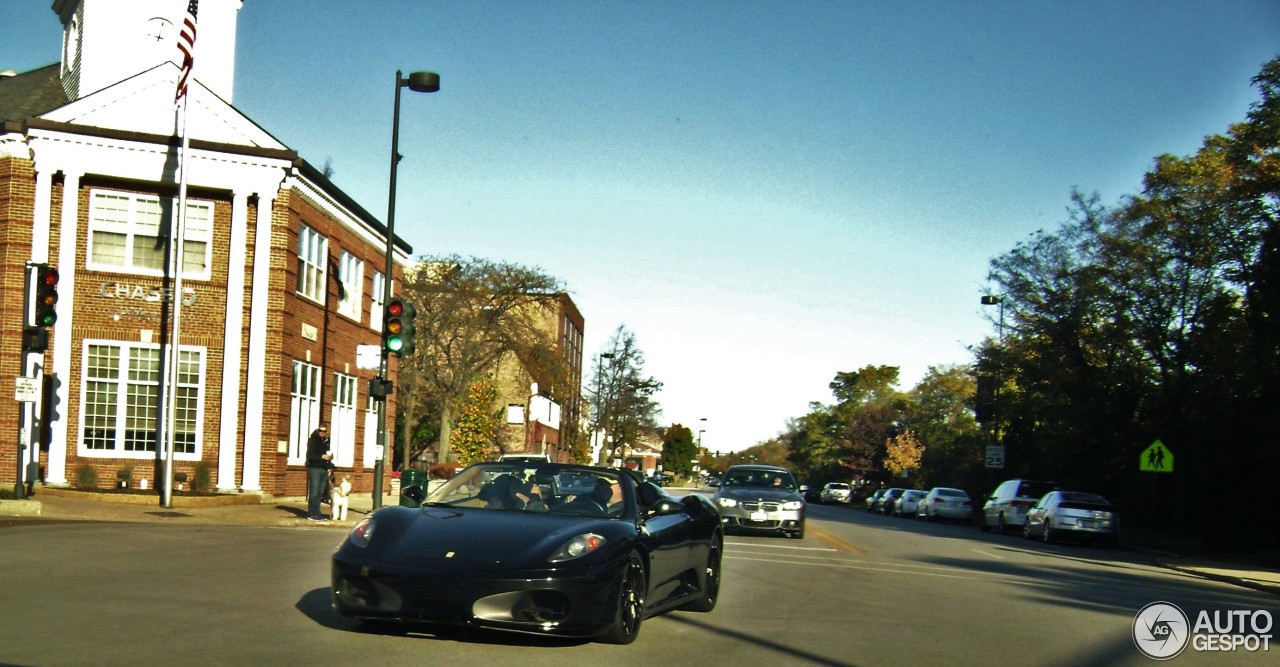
(526, 546)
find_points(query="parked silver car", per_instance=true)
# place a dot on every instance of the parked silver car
(1008, 504)
(1082, 515)
(906, 504)
(761, 498)
(943, 502)
(836, 492)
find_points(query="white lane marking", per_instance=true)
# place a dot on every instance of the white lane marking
(777, 546)
(987, 554)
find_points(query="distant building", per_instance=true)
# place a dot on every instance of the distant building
(283, 274)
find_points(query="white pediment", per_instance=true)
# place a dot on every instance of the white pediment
(144, 103)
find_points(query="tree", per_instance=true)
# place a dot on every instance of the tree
(470, 313)
(678, 450)
(625, 396)
(902, 454)
(478, 424)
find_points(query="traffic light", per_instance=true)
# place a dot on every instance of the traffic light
(397, 330)
(46, 295)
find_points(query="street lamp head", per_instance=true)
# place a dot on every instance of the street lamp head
(991, 300)
(422, 82)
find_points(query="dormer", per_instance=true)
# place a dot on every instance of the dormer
(107, 41)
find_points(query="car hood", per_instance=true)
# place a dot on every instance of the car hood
(762, 494)
(446, 539)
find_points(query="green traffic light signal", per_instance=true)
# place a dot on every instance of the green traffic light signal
(397, 329)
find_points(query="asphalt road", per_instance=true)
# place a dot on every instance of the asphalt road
(858, 590)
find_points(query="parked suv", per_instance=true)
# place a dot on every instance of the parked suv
(761, 498)
(1008, 504)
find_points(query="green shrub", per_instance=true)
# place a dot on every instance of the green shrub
(203, 480)
(86, 476)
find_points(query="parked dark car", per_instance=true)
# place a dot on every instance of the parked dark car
(761, 498)
(540, 548)
(884, 505)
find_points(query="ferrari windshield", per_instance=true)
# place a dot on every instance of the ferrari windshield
(529, 486)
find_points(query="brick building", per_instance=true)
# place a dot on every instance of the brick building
(89, 183)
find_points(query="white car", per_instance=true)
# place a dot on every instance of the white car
(945, 503)
(1081, 515)
(907, 503)
(836, 492)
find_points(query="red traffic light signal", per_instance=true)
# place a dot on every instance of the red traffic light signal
(45, 295)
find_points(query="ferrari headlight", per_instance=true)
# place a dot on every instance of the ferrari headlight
(578, 547)
(727, 502)
(792, 505)
(362, 533)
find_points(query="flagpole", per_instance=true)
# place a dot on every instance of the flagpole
(186, 45)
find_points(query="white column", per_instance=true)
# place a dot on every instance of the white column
(257, 353)
(68, 242)
(232, 353)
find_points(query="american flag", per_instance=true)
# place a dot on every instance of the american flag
(187, 45)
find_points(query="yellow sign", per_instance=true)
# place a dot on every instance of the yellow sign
(1156, 458)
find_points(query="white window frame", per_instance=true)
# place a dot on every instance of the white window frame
(137, 219)
(375, 301)
(370, 432)
(342, 428)
(134, 374)
(312, 268)
(351, 276)
(304, 409)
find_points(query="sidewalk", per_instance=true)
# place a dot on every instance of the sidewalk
(255, 510)
(232, 509)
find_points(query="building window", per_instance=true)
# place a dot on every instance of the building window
(304, 409)
(121, 398)
(351, 277)
(343, 427)
(311, 266)
(375, 301)
(127, 234)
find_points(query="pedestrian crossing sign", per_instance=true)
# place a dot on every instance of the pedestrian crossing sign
(1156, 458)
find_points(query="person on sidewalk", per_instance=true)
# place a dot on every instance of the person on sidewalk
(318, 464)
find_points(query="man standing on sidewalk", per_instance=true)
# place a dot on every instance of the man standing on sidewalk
(318, 464)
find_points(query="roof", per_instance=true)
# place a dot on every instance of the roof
(31, 93)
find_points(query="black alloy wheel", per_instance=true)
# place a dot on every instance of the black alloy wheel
(710, 581)
(632, 591)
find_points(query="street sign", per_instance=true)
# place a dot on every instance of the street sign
(368, 357)
(995, 456)
(1156, 458)
(25, 389)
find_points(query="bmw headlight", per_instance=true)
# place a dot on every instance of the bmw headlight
(578, 547)
(727, 502)
(792, 505)
(362, 533)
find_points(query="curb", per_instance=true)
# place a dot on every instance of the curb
(21, 508)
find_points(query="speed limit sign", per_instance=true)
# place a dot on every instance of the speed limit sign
(995, 456)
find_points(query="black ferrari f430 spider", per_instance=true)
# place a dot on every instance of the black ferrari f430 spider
(526, 546)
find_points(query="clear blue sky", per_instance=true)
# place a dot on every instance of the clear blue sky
(765, 193)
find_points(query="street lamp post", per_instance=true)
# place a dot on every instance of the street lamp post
(419, 82)
(601, 400)
(993, 300)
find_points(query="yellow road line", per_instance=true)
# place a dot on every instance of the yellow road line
(837, 543)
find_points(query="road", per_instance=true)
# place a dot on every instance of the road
(858, 590)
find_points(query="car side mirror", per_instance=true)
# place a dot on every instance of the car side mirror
(414, 493)
(664, 507)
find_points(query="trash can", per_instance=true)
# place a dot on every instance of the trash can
(410, 478)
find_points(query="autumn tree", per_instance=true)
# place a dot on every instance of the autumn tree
(902, 454)
(478, 423)
(471, 312)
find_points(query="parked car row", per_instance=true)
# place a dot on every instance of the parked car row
(1037, 509)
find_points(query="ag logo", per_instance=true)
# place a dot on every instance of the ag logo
(1161, 630)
